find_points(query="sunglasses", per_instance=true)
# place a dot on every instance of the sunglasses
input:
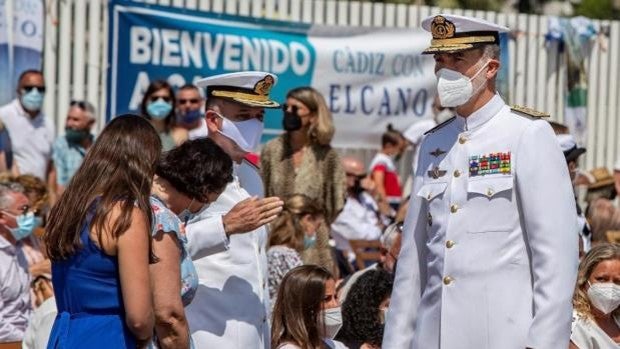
(191, 101)
(29, 88)
(360, 176)
(294, 108)
(164, 98)
(80, 104)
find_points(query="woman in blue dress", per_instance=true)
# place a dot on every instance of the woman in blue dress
(188, 179)
(98, 239)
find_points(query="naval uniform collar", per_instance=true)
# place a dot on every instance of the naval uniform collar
(482, 115)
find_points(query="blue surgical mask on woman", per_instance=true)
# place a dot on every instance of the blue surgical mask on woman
(159, 109)
(26, 223)
(309, 241)
(32, 100)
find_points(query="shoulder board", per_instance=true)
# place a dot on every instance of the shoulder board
(529, 111)
(440, 125)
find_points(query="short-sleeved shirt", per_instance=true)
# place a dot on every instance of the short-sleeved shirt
(67, 159)
(31, 138)
(15, 304)
(166, 221)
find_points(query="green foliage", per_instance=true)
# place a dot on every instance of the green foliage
(602, 9)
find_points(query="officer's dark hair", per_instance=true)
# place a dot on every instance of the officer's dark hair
(559, 129)
(391, 136)
(28, 72)
(196, 168)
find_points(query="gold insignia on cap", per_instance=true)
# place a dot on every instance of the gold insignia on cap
(529, 111)
(442, 28)
(263, 87)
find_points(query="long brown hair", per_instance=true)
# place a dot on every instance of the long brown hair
(323, 130)
(118, 169)
(599, 253)
(286, 229)
(297, 316)
(154, 87)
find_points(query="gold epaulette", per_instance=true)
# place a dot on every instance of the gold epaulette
(440, 125)
(529, 111)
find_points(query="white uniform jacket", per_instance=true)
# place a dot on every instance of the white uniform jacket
(489, 256)
(231, 305)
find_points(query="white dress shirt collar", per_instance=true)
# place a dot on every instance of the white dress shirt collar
(482, 115)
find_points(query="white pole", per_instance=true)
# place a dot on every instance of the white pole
(104, 68)
(79, 50)
(64, 63)
(49, 62)
(93, 65)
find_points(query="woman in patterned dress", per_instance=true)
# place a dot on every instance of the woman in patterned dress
(187, 179)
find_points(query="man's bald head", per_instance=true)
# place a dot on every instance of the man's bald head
(353, 165)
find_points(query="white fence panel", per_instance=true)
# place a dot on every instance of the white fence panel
(75, 55)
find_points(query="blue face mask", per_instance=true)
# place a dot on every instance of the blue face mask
(32, 100)
(26, 223)
(309, 241)
(190, 116)
(186, 215)
(159, 109)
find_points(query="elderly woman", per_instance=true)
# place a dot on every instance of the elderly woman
(597, 296)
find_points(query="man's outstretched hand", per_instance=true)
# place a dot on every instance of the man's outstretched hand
(250, 214)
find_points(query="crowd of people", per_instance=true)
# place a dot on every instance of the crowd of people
(171, 229)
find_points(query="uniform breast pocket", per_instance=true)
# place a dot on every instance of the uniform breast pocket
(431, 194)
(490, 202)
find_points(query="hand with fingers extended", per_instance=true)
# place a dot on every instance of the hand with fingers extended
(250, 214)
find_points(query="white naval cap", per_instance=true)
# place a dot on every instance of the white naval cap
(250, 88)
(569, 147)
(452, 33)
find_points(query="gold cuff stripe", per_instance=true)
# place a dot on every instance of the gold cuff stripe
(463, 40)
(240, 95)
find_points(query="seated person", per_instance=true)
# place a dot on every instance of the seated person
(596, 321)
(390, 249)
(291, 233)
(363, 312)
(359, 219)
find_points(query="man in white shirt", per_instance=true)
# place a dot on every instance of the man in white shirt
(359, 218)
(489, 252)
(227, 240)
(15, 306)
(32, 134)
(190, 114)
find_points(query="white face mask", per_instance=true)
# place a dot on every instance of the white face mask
(604, 296)
(456, 89)
(332, 318)
(383, 315)
(246, 134)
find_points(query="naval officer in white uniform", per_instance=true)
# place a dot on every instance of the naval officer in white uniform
(227, 239)
(489, 253)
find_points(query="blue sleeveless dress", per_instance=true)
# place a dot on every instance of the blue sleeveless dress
(89, 301)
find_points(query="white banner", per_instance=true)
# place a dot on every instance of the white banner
(21, 42)
(369, 76)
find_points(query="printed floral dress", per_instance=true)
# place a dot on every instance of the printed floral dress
(166, 221)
